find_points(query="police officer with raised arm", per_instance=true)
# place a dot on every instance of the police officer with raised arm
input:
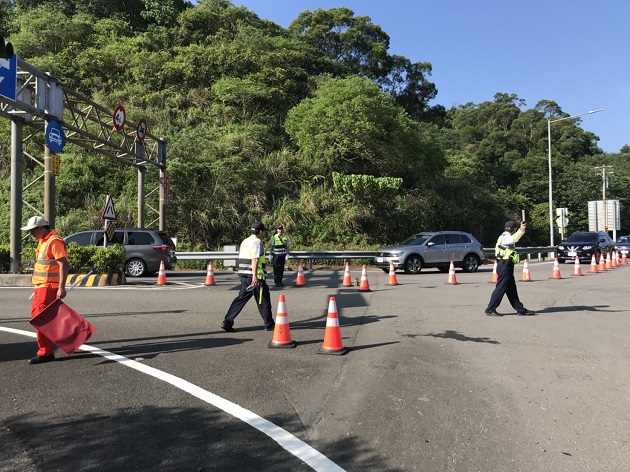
(505, 252)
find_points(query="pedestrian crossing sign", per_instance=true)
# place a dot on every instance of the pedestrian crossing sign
(109, 213)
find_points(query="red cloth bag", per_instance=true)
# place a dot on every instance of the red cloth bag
(63, 326)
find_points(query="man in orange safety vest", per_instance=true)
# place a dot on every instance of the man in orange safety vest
(49, 278)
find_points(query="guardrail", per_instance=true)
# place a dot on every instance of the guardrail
(305, 255)
(539, 252)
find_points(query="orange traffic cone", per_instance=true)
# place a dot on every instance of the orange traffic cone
(391, 278)
(593, 268)
(210, 275)
(347, 279)
(602, 263)
(624, 258)
(495, 276)
(161, 275)
(555, 274)
(608, 263)
(364, 286)
(282, 333)
(577, 270)
(452, 280)
(300, 281)
(615, 259)
(332, 337)
(526, 277)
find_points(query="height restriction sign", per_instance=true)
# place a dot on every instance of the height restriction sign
(109, 213)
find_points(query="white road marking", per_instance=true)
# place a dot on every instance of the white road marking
(290, 443)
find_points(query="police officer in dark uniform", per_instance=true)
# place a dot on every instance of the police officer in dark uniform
(505, 252)
(251, 269)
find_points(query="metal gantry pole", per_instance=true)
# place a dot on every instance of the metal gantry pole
(15, 248)
(550, 185)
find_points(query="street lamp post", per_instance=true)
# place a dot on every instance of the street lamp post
(549, 121)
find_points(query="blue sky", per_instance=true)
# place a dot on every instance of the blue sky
(575, 52)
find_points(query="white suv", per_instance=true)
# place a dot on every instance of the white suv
(433, 249)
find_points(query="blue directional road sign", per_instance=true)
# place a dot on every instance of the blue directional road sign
(55, 139)
(8, 77)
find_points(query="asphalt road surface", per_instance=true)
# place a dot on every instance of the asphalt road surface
(430, 382)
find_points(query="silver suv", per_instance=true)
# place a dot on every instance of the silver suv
(433, 249)
(145, 248)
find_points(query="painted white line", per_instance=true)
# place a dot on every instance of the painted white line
(290, 443)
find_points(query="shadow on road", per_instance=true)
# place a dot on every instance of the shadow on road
(449, 334)
(165, 439)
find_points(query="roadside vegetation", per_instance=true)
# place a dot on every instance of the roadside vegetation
(317, 126)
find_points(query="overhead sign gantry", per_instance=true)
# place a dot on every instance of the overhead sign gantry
(36, 99)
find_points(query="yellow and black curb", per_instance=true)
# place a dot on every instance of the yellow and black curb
(95, 280)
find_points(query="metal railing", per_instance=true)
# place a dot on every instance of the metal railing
(539, 253)
(308, 256)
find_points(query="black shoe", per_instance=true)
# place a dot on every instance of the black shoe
(280, 285)
(270, 327)
(493, 313)
(526, 312)
(226, 326)
(41, 359)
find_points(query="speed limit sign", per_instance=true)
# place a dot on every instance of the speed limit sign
(141, 129)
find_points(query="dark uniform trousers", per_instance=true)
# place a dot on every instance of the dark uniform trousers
(277, 262)
(506, 285)
(264, 308)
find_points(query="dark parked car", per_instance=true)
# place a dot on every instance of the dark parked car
(584, 244)
(433, 249)
(145, 248)
(623, 245)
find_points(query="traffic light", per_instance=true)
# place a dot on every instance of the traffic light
(55, 164)
(6, 49)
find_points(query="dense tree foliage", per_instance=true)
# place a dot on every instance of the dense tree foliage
(317, 126)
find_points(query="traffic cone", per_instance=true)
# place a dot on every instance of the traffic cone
(452, 280)
(526, 277)
(615, 259)
(555, 274)
(593, 268)
(624, 258)
(495, 276)
(300, 281)
(364, 286)
(347, 279)
(210, 275)
(161, 275)
(332, 337)
(282, 333)
(608, 263)
(391, 278)
(602, 263)
(577, 270)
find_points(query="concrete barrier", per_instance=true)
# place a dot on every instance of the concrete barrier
(92, 280)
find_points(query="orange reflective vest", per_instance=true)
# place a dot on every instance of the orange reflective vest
(46, 269)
